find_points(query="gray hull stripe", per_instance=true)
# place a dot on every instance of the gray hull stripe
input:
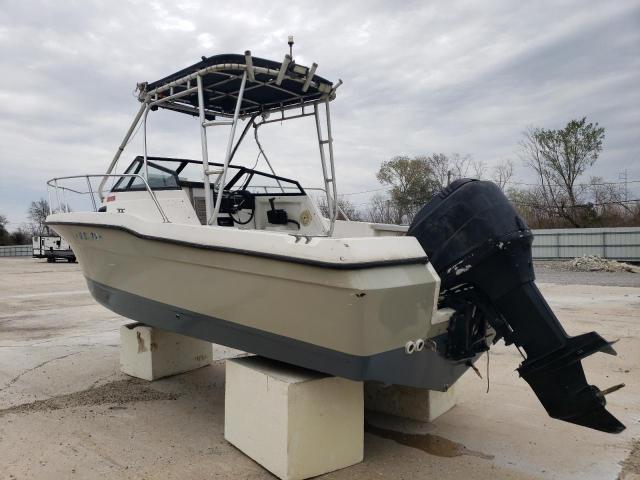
(425, 369)
(253, 253)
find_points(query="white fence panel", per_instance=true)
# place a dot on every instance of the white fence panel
(16, 251)
(619, 243)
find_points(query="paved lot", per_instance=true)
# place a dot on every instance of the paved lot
(67, 412)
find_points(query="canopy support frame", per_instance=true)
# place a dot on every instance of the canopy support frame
(158, 97)
(329, 174)
(220, 181)
(205, 151)
(121, 148)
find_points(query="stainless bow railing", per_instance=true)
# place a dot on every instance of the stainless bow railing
(62, 205)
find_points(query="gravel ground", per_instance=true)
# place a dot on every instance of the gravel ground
(66, 410)
(555, 272)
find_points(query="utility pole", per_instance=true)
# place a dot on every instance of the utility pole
(624, 178)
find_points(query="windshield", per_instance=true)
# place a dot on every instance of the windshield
(174, 173)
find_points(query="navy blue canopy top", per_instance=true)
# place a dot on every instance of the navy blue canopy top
(221, 79)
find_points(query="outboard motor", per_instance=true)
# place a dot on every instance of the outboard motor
(481, 249)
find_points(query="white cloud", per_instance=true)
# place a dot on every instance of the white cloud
(166, 21)
(206, 40)
(419, 77)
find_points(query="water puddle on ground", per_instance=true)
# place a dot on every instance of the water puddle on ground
(429, 443)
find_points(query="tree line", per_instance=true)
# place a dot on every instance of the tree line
(37, 215)
(558, 195)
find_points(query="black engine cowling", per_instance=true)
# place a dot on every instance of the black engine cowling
(481, 249)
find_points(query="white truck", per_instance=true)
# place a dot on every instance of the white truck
(52, 247)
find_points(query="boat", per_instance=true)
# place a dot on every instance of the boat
(246, 258)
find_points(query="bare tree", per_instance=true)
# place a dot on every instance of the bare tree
(383, 209)
(560, 158)
(530, 205)
(502, 173)
(608, 207)
(446, 168)
(37, 213)
(478, 168)
(345, 206)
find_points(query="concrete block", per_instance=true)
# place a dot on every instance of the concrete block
(296, 423)
(408, 402)
(150, 353)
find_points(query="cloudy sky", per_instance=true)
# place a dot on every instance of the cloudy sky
(419, 77)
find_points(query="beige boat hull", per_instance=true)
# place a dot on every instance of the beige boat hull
(354, 322)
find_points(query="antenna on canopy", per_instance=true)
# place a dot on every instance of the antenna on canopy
(290, 42)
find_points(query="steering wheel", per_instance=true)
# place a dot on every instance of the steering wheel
(240, 200)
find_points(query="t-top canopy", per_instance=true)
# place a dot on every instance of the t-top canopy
(270, 86)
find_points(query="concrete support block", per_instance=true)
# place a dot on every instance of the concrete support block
(150, 353)
(296, 423)
(408, 402)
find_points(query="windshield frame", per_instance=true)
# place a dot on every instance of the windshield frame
(126, 184)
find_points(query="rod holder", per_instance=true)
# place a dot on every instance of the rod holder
(310, 75)
(283, 69)
(249, 62)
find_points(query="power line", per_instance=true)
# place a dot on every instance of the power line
(576, 184)
(367, 191)
(583, 205)
(624, 182)
(539, 205)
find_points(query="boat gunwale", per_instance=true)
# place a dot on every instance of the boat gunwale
(241, 251)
